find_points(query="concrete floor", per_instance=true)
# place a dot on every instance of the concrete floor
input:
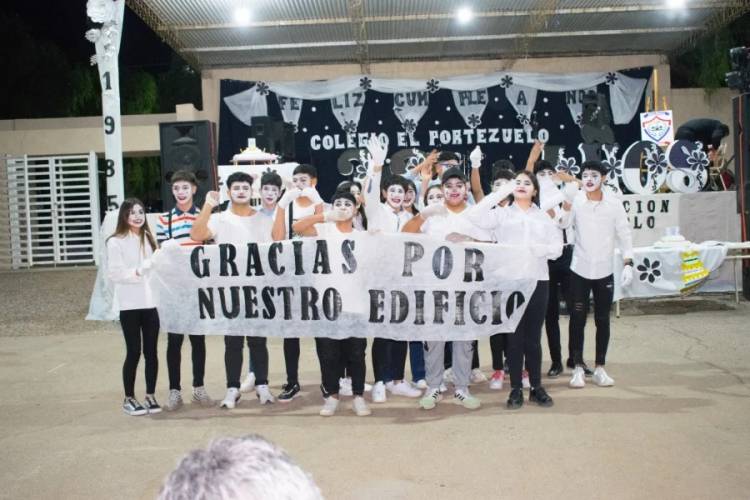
(675, 425)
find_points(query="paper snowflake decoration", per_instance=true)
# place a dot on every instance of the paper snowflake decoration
(350, 126)
(506, 81)
(365, 83)
(567, 165)
(611, 78)
(409, 125)
(433, 85)
(473, 121)
(262, 88)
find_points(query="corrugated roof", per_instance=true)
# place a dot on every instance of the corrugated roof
(288, 32)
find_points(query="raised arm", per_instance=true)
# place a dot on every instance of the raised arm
(534, 155)
(476, 181)
(482, 214)
(200, 230)
(306, 225)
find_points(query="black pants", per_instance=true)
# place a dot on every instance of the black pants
(389, 359)
(333, 355)
(140, 326)
(580, 289)
(448, 355)
(174, 359)
(559, 286)
(233, 345)
(526, 341)
(291, 360)
(498, 344)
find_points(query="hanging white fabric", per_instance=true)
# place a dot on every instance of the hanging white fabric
(410, 107)
(347, 108)
(291, 108)
(471, 105)
(249, 103)
(624, 96)
(574, 101)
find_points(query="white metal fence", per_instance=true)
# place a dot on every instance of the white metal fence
(52, 210)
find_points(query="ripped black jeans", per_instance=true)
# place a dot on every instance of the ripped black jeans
(580, 289)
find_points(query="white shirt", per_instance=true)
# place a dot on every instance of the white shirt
(228, 227)
(530, 228)
(600, 226)
(124, 256)
(441, 226)
(380, 216)
(330, 229)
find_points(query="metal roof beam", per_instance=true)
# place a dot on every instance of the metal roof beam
(506, 36)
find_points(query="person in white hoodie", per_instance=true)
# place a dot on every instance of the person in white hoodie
(388, 356)
(129, 252)
(522, 222)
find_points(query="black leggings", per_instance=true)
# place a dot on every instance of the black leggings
(526, 341)
(291, 360)
(140, 326)
(233, 345)
(498, 344)
(174, 359)
(580, 289)
(389, 359)
(448, 355)
(559, 285)
(333, 355)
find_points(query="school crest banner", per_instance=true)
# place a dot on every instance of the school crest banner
(401, 286)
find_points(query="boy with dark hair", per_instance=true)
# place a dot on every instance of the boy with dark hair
(176, 225)
(239, 224)
(302, 200)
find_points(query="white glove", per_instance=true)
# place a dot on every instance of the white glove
(570, 191)
(336, 215)
(549, 195)
(476, 157)
(289, 196)
(212, 199)
(437, 209)
(496, 197)
(539, 250)
(627, 276)
(311, 194)
(377, 150)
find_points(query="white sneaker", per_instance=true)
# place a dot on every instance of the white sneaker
(421, 384)
(345, 387)
(264, 394)
(578, 380)
(359, 405)
(201, 397)
(378, 393)
(477, 376)
(329, 406)
(448, 377)
(466, 399)
(230, 400)
(248, 384)
(443, 388)
(430, 399)
(496, 382)
(174, 401)
(601, 378)
(403, 388)
(525, 380)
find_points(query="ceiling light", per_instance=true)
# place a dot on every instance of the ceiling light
(242, 16)
(676, 4)
(464, 15)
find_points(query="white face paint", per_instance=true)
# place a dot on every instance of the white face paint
(394, 196)
(454, 191)
(136, 217)
(592, 180)
(548, 174)
(435, 197)
(524, 189)
(269, 194)
(240, 193)
(499, 183)
(354, 189)
(409, 197)
(345, 206)
(183, 192)
(301, 181)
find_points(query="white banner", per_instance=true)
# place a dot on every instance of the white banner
(523, 100)
(347, 109)
(291, 108)
(338, 287)
(106, 39)
(410, 107)
(471, 105)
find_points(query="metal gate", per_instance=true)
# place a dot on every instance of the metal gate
(53, 210)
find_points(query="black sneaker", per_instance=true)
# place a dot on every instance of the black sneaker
(132, 407)
(540, 397)
(586, 370)
(151, 405)
(515, 399)
(555, 370)
(289, 392)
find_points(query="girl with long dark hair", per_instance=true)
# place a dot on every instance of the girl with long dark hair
(129, 252)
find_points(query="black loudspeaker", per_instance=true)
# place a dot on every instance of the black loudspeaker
(741, 112)
(187, 146)
(273, 136)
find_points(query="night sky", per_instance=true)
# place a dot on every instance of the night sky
(64, 23)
